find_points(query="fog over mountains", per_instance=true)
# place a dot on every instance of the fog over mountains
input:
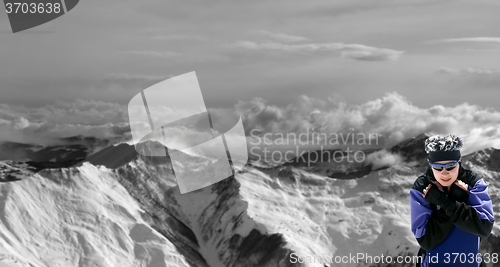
(116, 208)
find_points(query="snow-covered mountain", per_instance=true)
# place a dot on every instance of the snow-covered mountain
(122, 209)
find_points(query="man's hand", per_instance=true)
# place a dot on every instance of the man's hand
(435, 195)
(429, 187)
(459, 191)
(462, 185)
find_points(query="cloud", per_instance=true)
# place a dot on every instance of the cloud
(281, 37)
(154, 54)
(9, 131)
(120, 77)
(131, 82)
(43, 124)
(21, 123)
(195, 57)
(479, 77)
(383, 158)
(468, 71)
(392, 117)
(362, 52)
(64, 130)
(354, 51)
(482, 50)
(469, 40)
(293, 48)
(179, 37)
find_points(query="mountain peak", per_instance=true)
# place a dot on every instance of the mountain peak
(412, 149)
(488, 158)
(115, 156)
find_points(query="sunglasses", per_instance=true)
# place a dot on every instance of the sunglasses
(448, 166)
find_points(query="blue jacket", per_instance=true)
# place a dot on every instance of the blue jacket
(441, 233)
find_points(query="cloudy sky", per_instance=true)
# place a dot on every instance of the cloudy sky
(354, 62)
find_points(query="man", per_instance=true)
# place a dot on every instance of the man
(450, 208)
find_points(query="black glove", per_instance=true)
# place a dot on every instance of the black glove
(437, 197)
(458, 194)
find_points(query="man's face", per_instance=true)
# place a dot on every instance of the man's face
(444, 177)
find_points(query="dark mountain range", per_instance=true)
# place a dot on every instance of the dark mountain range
(332, 163)
(61, 150)
(335, 163)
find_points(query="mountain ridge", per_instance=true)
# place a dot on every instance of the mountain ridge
(258, 218)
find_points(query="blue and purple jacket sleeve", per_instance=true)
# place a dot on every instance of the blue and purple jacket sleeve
(431, 226)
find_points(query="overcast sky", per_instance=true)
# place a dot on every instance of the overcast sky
(431, 53)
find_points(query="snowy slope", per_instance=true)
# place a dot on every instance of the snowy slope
(77, 217)
(102, 217)
(320, 216)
